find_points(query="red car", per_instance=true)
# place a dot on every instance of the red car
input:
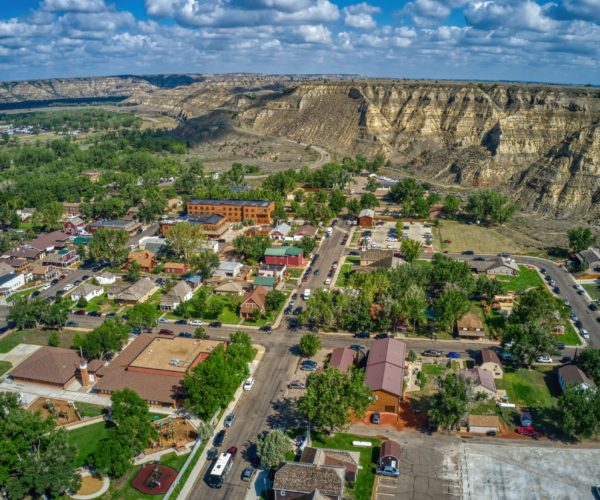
(62, 277)
(81, 312)
(447, 241)
(233, 451)
(529, 431)
(164, 331)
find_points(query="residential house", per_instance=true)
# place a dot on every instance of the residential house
(228, 269)
(11, 282)
(374, 257)
(73, 225)
(268, 282)
(64, 258)
(348, 460)
(235, 210)
(342, 358)
(297, 480)
(138, 292)
(30, 254)
(87, 291)
(253, 301)
(92, 176)
(230, 287)
(5, 268)
(44, 273)
(591, 257)
(482, 424)
(131, 227)
(106, 278)
(305, 230)
(385, 374)
(280, 231)
(175, 268)
(48, 241)
(70, 209)
(366, 217)
(470, 326)
(20, 266)
(487, 359)
(145, 258)
(481, 380)
(181, 292)
(573, 375)
(505, 303)
(194, 281)
(25, 214)
(284, 256)
(173, 204)
(114, 290)
(389, 454)
(494, 266)
(213, 225)
(273, 271)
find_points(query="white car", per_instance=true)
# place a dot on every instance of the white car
(585, 334)
(248, 384)
(328, 281)
(196, 322)
(70, 286)
(544, 359)
(46, 286)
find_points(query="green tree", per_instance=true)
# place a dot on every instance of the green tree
(353, 206)
(27, 313)
(332, 398)
(200, 333)
(205, 262)
(299, 195)
(48, 216)
(310, 344)
(82, 302)
(56, 315)
(449, 404)
(411, 249)
(143, 316)
(412, 356)
(490, 206)
(589, 361)
(184, 239)
(251, 248)
(110, 245)
(110, 336)
(134, 270)
(406, 190)
(272, 448)
(205, 430)
(528, 341)
(369, 200)
(274, 300)
(372, 185)
(451, 205)
(35, 458)
(53, 339)
(581, 238)
(322, 196)
(579, 409)
(451, 305)
(487, 288)
(307, 244)
(337, 201)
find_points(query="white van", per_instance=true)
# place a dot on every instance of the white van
(306, 294)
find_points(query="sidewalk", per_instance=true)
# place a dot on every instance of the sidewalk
(197, 469)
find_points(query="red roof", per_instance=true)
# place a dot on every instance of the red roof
(342, 358)
(385, 366)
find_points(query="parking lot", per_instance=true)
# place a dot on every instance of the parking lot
(384, 237)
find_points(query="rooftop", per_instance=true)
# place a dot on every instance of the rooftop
(283, 251)
(305, 478)
(265, 280)
(484, 421)
(194, 219)
(342, 358)
(479, 377)
(390, 449)
(114, 223)
(488, 356)
(572, 375)
(239, 203)
(52, 365)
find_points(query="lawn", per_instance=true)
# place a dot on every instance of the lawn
(535, 387)
(570, 336)
(101, 303)
(295, 272)
(362, 489)
(27, 292)
(89, 410)
(473, 237)
(433, 370)
(37, 337)
(527, 278)
(592, 290)
(87, 439)
(344, 275)
(353, 260)
(5, 366)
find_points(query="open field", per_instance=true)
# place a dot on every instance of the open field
(479, 239)
(87, 438)
(37, 337)
(530, 387)
(5, 366)
(527, 278)
(593, 291)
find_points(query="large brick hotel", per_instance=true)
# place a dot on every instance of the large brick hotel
(235, 210)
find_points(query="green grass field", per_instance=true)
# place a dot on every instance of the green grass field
(27, 292)
(89, 410)
(37, 337)
(592, 290)
(527, 278)
(295, 272)
(479, 239)
(362, 489)
(87, 439)
(5, 366)
(533, 387)
(343, 275)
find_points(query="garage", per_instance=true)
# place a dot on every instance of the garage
(482, 424)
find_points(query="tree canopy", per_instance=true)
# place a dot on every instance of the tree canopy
(581, 238)
(310, 344)
(272, 448)
(110, 245)
(490, 206)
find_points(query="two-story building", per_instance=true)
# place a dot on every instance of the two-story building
(284, 256)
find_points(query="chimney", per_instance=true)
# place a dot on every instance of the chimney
(85, 376)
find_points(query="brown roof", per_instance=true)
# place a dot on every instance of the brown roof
(307, 229)
(390, 449)
(479, 377)
(342, 358)
(52, 365)
(385, 366)
(258, 296)
(175, 265)
(470, 321)
(484, 421)
(94, 365)
(571, 375)
(305, 478)
(26, 253)
(150, 386)
(40, 269)
(143, 257)
(137, 290)
(43, 241)
(488, 356)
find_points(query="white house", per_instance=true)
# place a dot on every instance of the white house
(228, 269)
(280, 231)
(106, 278)
(11, 282)
(87, 291)
(181, 292)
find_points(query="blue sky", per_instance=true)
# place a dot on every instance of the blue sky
(554, 41)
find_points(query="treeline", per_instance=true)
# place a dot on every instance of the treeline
(82, 119)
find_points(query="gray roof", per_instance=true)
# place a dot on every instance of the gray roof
(479, 377)
(367, 212)
(178, 292)
(305, 478)
(5, 268)
(572, 375)
(195, 219)
(86, 289)
(282, 228)
(112, 223)
(136, 291)
(7, 277)
(240, 203)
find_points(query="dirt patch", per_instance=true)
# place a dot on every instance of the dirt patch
(89, 485)
(63, 411)
(174, 433)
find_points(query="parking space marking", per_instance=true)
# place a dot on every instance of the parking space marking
(386, 494)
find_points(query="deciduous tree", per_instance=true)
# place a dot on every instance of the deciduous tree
(184, 239)
(310, 344)
(109, 244)
(581, 238)
(272, 448)
(411, 249)
(579, 409)
(450, 403)
(451, 305)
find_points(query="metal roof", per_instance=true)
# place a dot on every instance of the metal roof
(239, 203)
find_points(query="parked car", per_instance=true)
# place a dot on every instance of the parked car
(219, 438)
(556, 290)
(233, 450)
(447, 241)
(35, 293)
(77, 282)
(68, 287)
(164, 331)
(80, 312)
(62, 277)
(248, 473)
(163, 320)
(432, 353)
(54, 282)
(229, 419)
(46, 286)
(111, 315)
(215, 324)
(358, 348)
(50, 298)
(383, 336)
(85, 277)
(185, 334)
(298, 310)
(580, 292)
(362, 335)
(468, 252)
(181, 322)
(593, 307)
(292, 302)
(453, 355)
(288, 310)
(72, 323)
(543, 270)
(266, 328)
(375, 417)
(293, 323)
(249, 384)
(566, 359)
(560, 345)
(310, 366)
(480, 259)
(585, 334)
(544, 359)
(136, 330)
(196, 322)
(328, 282)
(316, 273)
(296, 384)
(506, 255)
(529, 431)
(578, 323)
(96, 314)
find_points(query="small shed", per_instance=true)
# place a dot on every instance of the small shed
(389, 454)
(482, 424)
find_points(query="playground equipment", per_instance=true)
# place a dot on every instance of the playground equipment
(50, 407)
(154, 477)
